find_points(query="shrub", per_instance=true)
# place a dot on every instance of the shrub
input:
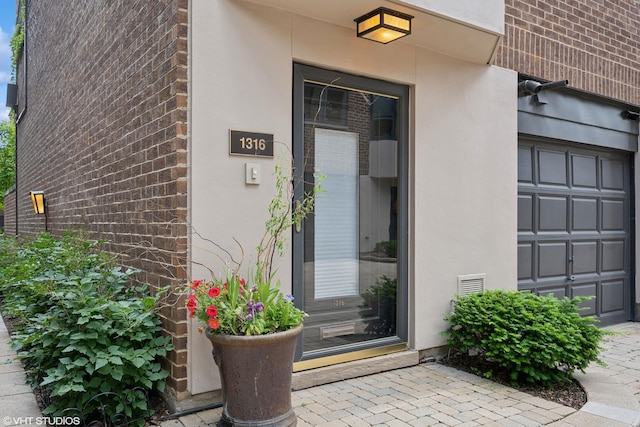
(537, 339)
(388, 247)
(32, 268)
(379, 306)
(83, 329)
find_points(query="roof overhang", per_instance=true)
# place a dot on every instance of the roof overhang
(470, 31)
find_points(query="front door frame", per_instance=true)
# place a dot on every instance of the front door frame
(302, 73)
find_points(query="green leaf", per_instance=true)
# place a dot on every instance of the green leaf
(138, 362)
(100, 363)
(116, 373)
(83, 361)
(78, 388)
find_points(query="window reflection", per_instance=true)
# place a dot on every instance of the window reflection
(350, 249)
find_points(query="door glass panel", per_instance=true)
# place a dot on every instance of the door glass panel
(350, 262)
(336, 212)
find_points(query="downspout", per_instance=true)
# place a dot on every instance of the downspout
(15, 155)
(24, 110)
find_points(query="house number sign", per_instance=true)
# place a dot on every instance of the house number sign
(250, 143)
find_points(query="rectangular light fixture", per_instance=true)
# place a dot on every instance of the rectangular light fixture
(12, 95)
(383, 25)
(39, 202)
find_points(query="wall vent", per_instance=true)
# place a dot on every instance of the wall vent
(470, 283)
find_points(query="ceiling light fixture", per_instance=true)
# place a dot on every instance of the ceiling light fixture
(383, 25)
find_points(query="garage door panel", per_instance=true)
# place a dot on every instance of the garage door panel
(552, 213)
(613, 174)
(556, 292)
(552, 167)
(525, 165)
(584, 257)
(584, 214)
(525, 212)
(613, 215)
(525, 261)
(588, 308)
(613, 255)
(574, 225)
(584, 171)
(552, 259)
(612, 296)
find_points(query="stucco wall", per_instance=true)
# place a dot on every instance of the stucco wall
(463, 165)
(465, 185)
(487, 14)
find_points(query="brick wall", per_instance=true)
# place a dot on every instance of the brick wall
(104, 135)
(10, 213)
(595, 44)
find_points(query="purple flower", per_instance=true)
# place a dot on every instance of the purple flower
(289, 297)
(253, 309)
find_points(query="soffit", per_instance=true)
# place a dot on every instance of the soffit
(430, 30)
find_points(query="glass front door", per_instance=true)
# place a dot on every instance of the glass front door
(349, 255)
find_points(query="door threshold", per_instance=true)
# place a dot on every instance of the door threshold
(350, 368)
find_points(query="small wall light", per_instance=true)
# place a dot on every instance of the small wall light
(40, 206)
(383, 25)
(12, 95)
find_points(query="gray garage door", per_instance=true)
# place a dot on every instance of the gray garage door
(574, 225)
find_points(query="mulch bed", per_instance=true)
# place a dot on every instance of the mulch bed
(567, 393)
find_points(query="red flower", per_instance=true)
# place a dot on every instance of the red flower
(214, 291)
(196, 283)
(214, 323)
(212, 311)
(192, 304)
(242, 282)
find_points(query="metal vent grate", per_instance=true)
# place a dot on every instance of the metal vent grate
(471, 283)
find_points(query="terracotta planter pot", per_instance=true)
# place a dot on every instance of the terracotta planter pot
(256, 378)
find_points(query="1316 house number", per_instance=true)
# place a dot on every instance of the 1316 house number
(253, 143)
(250, 143)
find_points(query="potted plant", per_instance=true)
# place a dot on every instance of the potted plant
(252, 325)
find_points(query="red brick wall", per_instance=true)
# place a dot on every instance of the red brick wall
(104, 135)
(595, 44)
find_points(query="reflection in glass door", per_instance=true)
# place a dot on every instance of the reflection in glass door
(349, 256)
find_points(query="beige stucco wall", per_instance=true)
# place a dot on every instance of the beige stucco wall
(465, 185)
(487, 14)
(463, 150)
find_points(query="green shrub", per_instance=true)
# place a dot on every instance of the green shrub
(537, 339)
(379, 307)
(388, 247)
(83, 329)
(32, 268)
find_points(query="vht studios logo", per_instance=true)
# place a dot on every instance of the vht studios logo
(42, 421)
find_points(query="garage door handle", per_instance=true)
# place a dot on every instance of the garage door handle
(572, 278)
